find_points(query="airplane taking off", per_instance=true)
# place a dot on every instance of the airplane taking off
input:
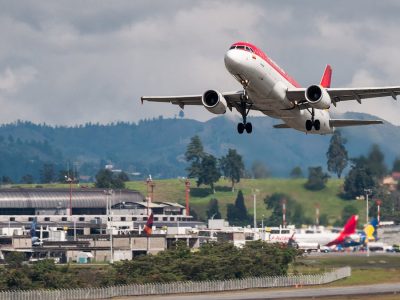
(269, 89)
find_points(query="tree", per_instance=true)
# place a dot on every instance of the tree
(396, 165)
(259, 170)
(296, 172)
(213, 209)
(376, 162)
(347, 212)
(47, 173)
(209, 173)
(337, 154)
(358, 179)
(123, 176)
(28, 179)
(194, 154)
(237, 213)
(316, 179)
(106, 179)
(6, 180)
(232, 166)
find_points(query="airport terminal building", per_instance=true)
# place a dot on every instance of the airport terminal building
(100, 221)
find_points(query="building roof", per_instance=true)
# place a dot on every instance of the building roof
(40, 198)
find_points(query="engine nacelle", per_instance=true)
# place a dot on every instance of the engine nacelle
(214, 102)
(318, 97)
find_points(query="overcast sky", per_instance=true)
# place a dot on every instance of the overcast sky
(72, 62)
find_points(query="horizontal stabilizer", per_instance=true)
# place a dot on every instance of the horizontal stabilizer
(280, 126)
(348, 122)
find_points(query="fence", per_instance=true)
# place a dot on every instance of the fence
(177, 287)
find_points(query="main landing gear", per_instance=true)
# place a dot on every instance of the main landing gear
(313, 123)
(244, 111)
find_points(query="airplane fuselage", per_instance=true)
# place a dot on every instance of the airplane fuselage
(266, 85)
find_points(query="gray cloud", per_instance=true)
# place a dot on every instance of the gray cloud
(90, 61)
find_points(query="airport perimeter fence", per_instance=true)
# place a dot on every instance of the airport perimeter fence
(178, 287)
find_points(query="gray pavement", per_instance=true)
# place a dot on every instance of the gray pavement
(384, 288)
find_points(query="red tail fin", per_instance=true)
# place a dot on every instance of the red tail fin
(326, 78)
(350, 226)
(348, 229)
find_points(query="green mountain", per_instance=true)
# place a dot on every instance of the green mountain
(157, 146)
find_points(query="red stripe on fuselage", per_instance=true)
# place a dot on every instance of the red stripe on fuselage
(269, 61)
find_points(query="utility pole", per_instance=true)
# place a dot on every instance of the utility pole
(109, 219)
(284, 213)
(255, 208)
(317, 214)
(378, 206)
(69, 180)
(368, 192)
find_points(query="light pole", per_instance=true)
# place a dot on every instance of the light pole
(109, 218)
(255, 191)
(368, 192)
(69, 180)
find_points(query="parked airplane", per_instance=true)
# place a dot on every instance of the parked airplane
(269, 89)
(314, 238)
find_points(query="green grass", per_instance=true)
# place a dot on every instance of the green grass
(328, 199)
(365, 270)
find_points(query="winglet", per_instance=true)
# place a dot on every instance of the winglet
(326, 78)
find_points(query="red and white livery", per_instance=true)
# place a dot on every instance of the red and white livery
(269, 89)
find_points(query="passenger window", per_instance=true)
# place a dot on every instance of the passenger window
(233, 47)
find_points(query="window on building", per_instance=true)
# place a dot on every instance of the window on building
(81, 219)
(64, 219)
(123, 218)
(165, 218)
(134, 219)
(12, 219)
(46, 219)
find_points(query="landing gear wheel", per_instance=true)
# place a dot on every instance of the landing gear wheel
(240, 128)
(317, 125)
(248, 127)
(309, 125)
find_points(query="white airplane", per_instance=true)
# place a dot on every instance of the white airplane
(269, 89)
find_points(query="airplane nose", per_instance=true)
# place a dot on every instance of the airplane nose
(231, 59)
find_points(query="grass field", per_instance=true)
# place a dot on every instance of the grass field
(365, 270)
(174, 190)
(328, 199)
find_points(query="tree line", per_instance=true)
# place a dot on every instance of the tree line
(212, 261)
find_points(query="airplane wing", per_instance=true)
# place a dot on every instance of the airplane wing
(349, 122)
(346, 94)
(232, 99)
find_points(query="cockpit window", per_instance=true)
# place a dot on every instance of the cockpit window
(246, 48)
(249, 49)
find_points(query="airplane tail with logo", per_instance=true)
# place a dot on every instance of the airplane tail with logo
(370, 230)
(348, 229)
(326, 78)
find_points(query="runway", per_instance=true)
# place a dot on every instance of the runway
(385, 288)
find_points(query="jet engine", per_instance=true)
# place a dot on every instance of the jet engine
(318, 97)
(214, 102)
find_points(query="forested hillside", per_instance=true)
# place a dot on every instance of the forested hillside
(157, 146)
